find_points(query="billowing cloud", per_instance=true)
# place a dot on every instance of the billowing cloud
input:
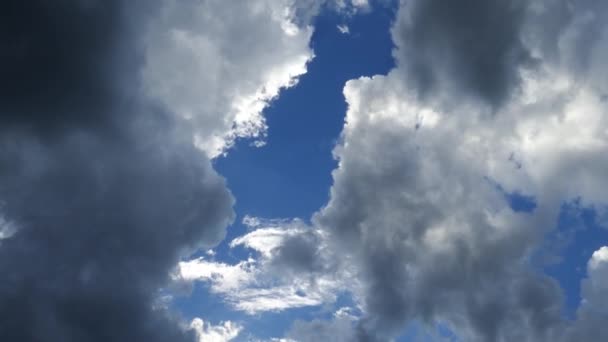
(481, 106)
(210, 57)
(466, 48)
(590, 325)
(434, 237)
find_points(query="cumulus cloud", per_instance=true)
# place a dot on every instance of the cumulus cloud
(590, 325)
(483, 103)
(430, 234)
(471, 48)
(210, 57)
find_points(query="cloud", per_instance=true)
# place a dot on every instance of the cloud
(471, 48)
(200, 66)
(288, 269)
(339, 330)
(101, 191)
(227, 331)
(47, 64)
(590, 325)
(596, 287)
(343, 29)
(415, 210)
(109, 113)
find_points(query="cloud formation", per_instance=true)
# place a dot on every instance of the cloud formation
(289, 268)
(110, 111)
(466, 48)
(102, 189)
(483, 104)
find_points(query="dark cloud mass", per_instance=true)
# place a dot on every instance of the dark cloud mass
(104, 191)
(60, 61)
(469, 47)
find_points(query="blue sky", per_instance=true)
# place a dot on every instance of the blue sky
(291, 175)
(305, 121)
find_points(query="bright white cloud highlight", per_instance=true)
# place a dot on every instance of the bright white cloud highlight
(595, 288)
(218, 64)
(224, 332)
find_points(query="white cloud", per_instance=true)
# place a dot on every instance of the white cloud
(352, 5)
(224, 332)
(266, 240)
(590, 324)
(7, 229)
(595, 288)
(224, 277)
(261, 283)
(343, 29)
(219, 64)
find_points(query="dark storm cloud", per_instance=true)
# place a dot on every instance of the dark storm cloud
(100, 224)
(470, 47)
(105, 191)
(60, 61)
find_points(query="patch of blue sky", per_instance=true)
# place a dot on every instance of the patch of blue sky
(579, 233)
(291, 175)
(517, 201)
(568, 247)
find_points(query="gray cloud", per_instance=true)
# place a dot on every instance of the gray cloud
(470, 47)
(301, 254)
(414, 204)
(105, 191)
(60, 62)
(473, 275)
(339, 329)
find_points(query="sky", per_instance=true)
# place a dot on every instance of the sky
(303, 170)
